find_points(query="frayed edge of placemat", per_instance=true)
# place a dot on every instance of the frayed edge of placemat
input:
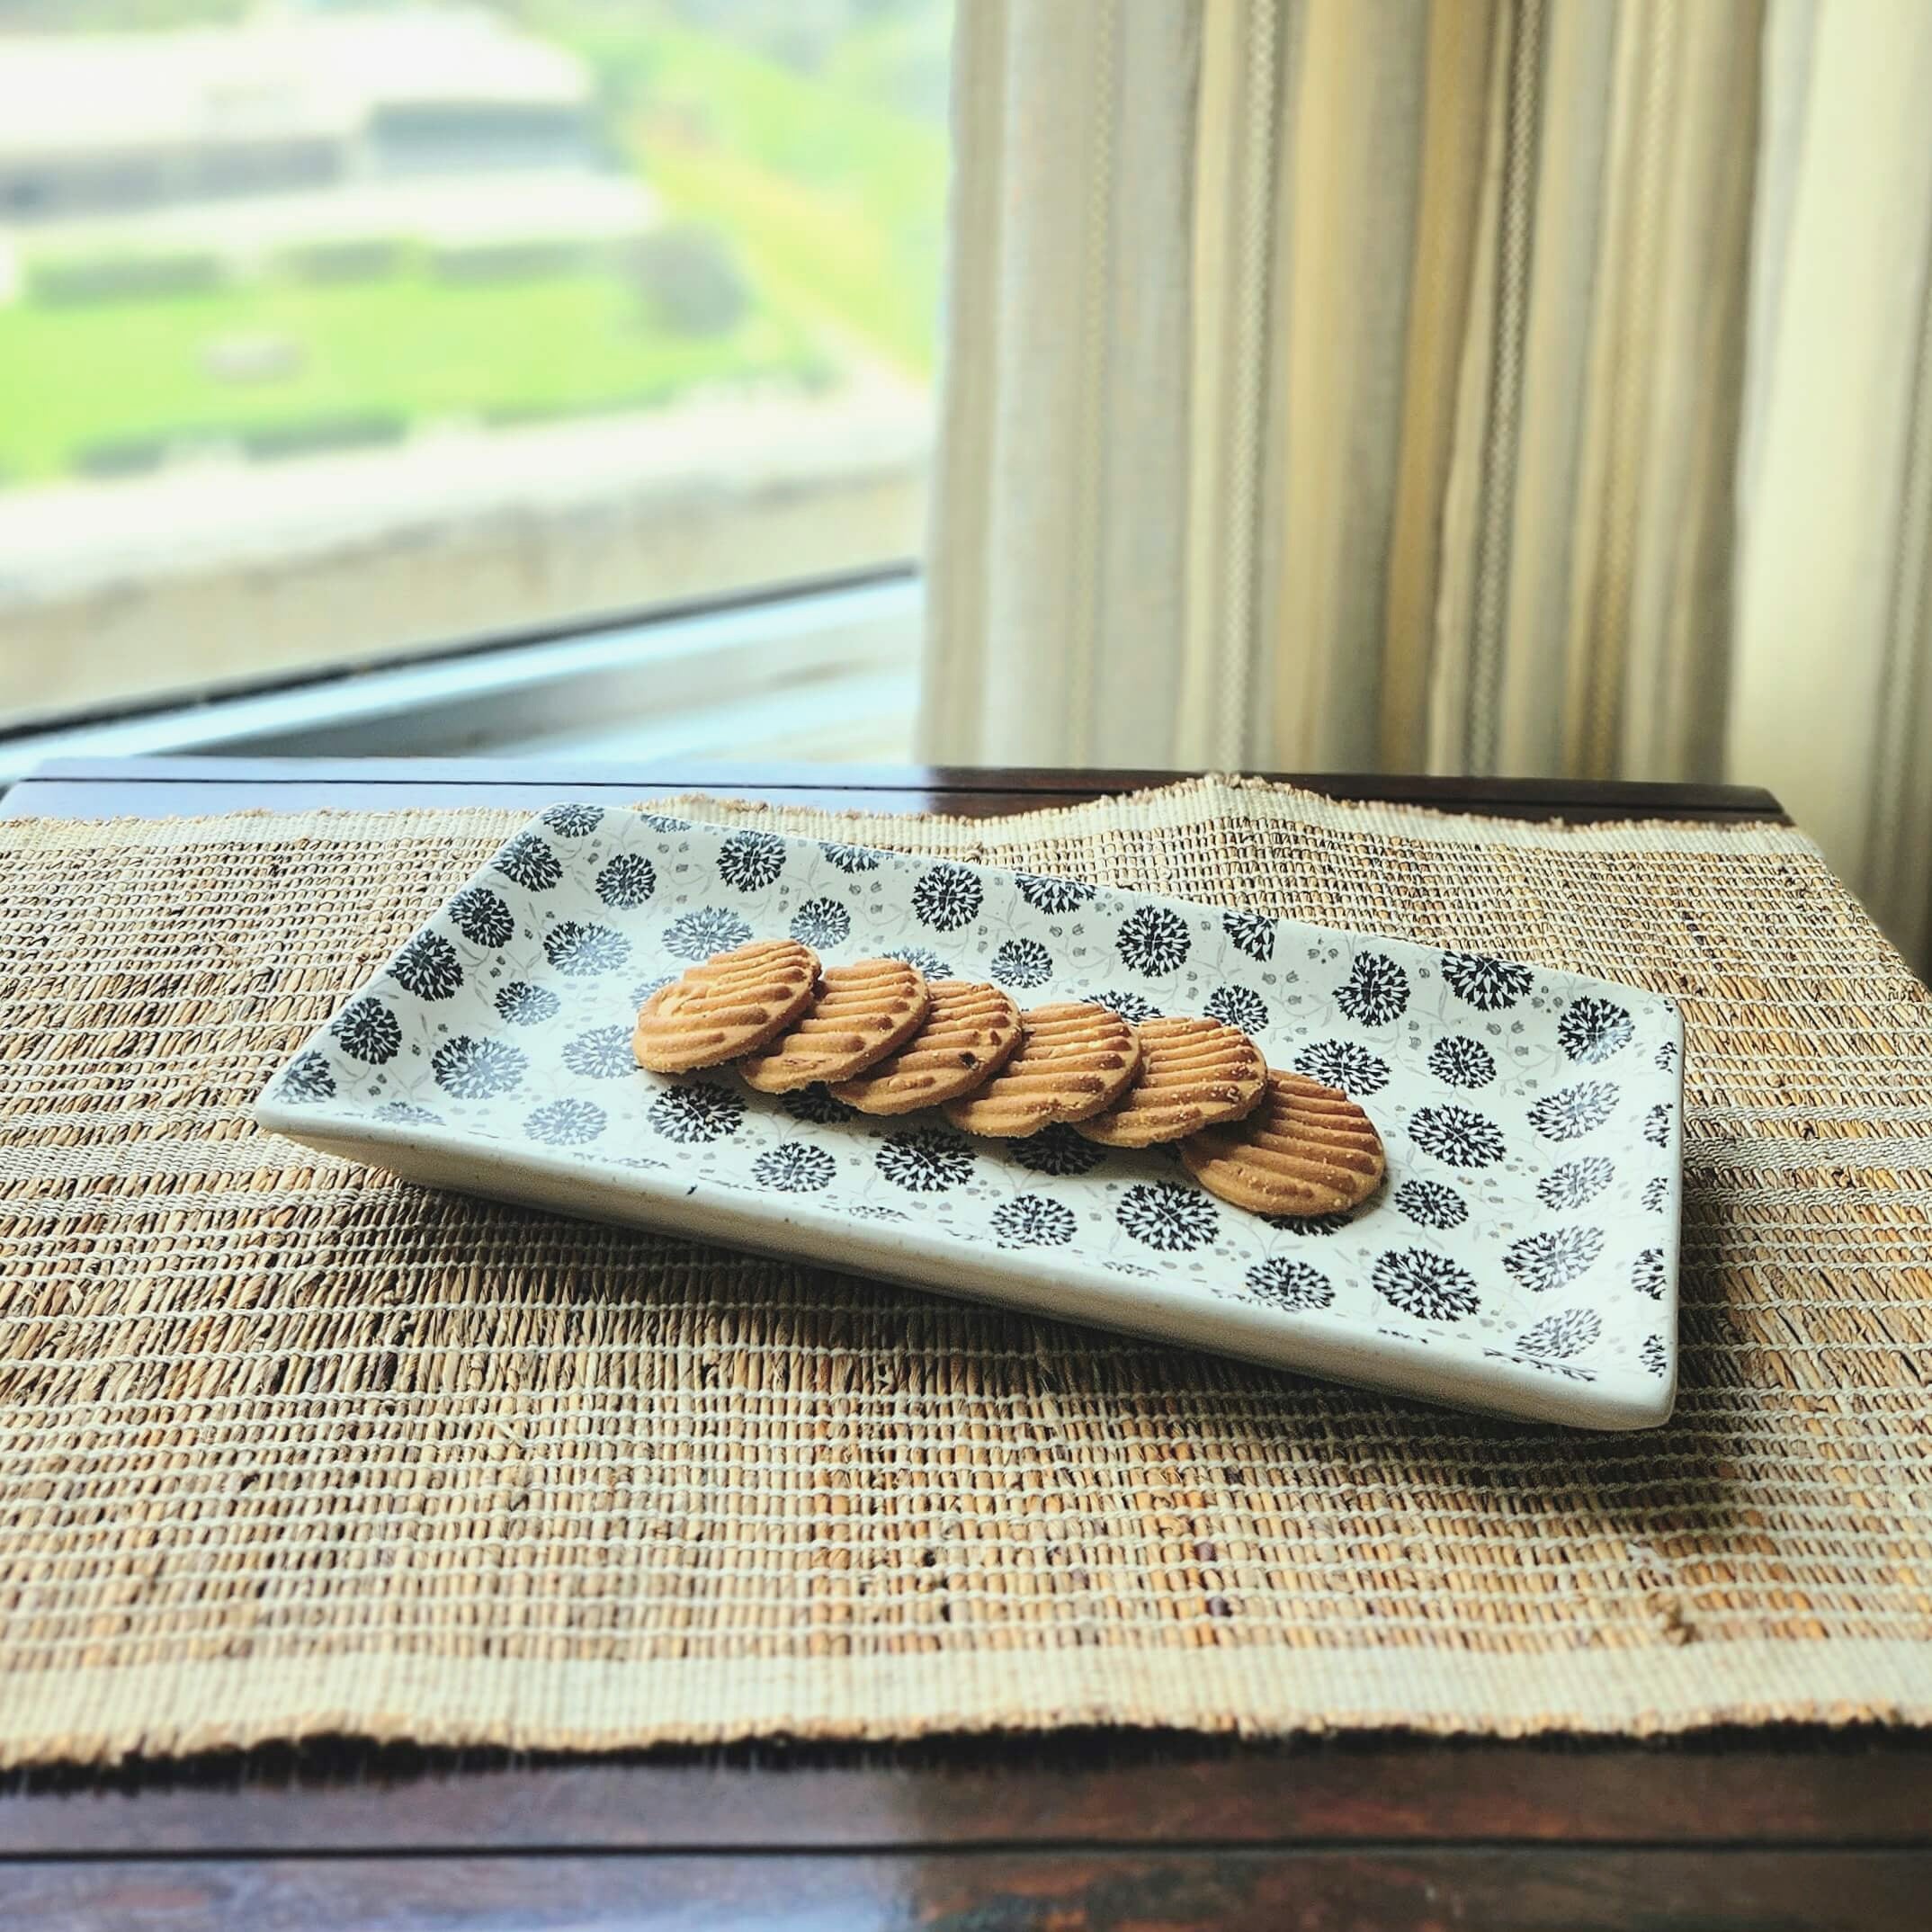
(1247, 1692)
(1186, 802)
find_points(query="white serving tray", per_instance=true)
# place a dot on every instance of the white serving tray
(1521, 1257)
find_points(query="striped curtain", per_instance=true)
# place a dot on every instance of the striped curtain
(1486, 386)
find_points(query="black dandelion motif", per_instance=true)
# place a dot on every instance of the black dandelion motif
(524, 1005)
(1341, 1064)
(1022, 963)
(407, 1110)
(926, 1161)
(1657, 1192)
(1174, 1219)
(579, 951)
(309, 1076)
(1461, 1062)
(1572, 1112)
(791, 1167)
(1252, 931)
(1426, 1285)
(821, 922)
(1488, 985)
(1032, 1220)
(865, 1210)
(815, 1106)
(1554, 1257)
(574, 821)
(1568, 1332)
(603, 1053)
(1235, 1005)
(428, 967)
(476, 1069)
(663, 822)
(946, 898)
(1575, 1182)
(564, 1123)
(1051, 895)
(369, 1031)
(1057, 1150)
(1666, 1056)
(1152, 940)
(482, 918)
(852, 858)
(1653, 1354)
(1309, 1224)
(693, 1114)
(1657, 1126)
(928, 961)
(1290, 1285)
(628, 880)
(1431, 1203)
(526, 861)
(699, 935)
(1592, 1030)
(1456, 1136)
(1647, 1274)
(1131, 1007)
(748, 862)
(1375, 992)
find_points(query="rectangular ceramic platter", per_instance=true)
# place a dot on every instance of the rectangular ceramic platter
(1521, 1257)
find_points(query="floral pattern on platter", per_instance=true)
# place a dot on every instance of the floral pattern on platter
(1343, 1065)
(1021, 965)
(1530, 1117)
(482, 918)
(821, 923)
(1032, 1220)
(1237, 1006)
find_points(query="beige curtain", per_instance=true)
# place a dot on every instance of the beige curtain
(1497, 386)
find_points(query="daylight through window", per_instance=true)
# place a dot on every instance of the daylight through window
(330, 332)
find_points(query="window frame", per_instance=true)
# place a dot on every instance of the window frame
(670, 678)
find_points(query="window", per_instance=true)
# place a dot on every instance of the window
(335, 333)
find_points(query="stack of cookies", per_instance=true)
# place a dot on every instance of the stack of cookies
(886, 1040)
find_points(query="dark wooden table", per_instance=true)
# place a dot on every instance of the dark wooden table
(1130, 1832)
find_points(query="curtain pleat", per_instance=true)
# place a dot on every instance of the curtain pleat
(1386, 384)
(1059, 560)
(1833, 648)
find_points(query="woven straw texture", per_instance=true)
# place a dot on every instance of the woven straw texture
(289, 1447)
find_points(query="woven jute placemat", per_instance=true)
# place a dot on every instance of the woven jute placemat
(288, 1447)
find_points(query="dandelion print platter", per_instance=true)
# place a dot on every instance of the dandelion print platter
(1520, 1257)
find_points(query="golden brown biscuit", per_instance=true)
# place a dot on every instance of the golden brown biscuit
(1194, 1073)
(1306, 1149)
(1071, 1062)
(862, 1012)
(731, 1004)
(969, 1034)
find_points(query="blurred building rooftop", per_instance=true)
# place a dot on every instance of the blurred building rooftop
(114, 123)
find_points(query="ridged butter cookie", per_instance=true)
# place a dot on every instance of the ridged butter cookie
(970, 1033)
(1194, 1073)
(1071, 1062)
(862, 1012)
(1306, 1149)
(729, 1005)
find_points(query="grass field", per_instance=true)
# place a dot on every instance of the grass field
(75, 376)
(831, 199)
(830, 196)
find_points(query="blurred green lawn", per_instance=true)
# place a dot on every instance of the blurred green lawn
(832, 201)
(74, 377)
(830, 196)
